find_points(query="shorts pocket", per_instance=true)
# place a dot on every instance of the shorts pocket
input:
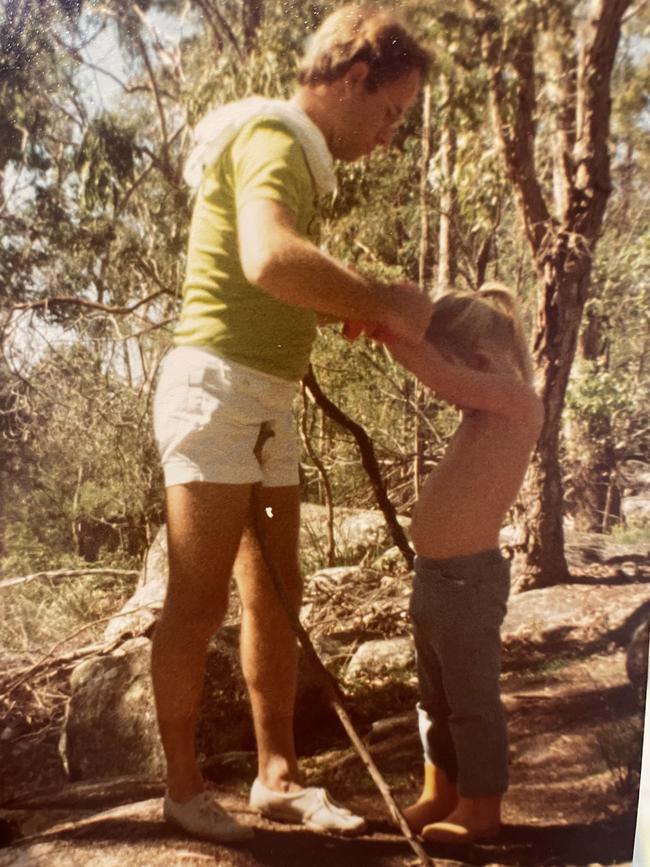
(194, 392)
(179, 395)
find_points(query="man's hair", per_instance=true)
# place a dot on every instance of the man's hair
(365, 33)
(465, 323)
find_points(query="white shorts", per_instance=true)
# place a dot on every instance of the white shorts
(218, 421)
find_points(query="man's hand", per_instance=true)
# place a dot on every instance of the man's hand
(411, 313)
(352, 328)
(407, 317)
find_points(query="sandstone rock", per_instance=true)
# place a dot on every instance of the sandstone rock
(391, 559)
(362, 531)
(636, 511)
(636, 659)
(583, 549)
(573, 613)
(634, 477)
(381, 658)
(110, 727)
(356, 531)
(334, 577)
(140, 612)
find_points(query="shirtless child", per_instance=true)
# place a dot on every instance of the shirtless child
(475, 356)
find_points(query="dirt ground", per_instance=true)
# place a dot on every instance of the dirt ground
(575, 742)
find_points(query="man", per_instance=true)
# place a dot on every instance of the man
(255, 284)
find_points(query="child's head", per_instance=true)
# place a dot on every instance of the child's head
(482, 329)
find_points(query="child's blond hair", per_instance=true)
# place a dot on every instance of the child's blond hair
(466, 323)
(362, 32)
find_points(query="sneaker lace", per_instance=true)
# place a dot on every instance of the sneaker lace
(328, 801)
(210, 808)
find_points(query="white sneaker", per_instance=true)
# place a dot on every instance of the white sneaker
(204, 816)
(310, 807)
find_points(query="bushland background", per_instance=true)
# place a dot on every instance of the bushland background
(527, 159)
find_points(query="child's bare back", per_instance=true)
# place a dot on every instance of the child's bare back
(465, 498)
(474, 356)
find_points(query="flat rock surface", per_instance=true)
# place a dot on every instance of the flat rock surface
(575, 730)
(563, 806)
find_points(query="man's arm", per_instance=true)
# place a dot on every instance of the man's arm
(292, 269)
(469, 388)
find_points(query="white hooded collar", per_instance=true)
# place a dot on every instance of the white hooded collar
(220, 126)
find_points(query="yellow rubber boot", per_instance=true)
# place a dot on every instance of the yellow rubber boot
(438, 799)
(473, 820)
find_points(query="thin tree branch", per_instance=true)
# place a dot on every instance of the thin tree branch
(64, 300)
(208, 11)
(634, 11)
(368, 459)
(513, 118)
(158, 98)
(60, 574)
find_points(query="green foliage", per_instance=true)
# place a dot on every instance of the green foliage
(43, 612)
(90, 465)
(602, 396)
(95, 210)
(26, 553)
(32, 69)
(105, 160)
(623, 535)
(377, 394)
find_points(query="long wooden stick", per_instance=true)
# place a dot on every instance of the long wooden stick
(337, 700)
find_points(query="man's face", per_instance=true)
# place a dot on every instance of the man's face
(369, 119)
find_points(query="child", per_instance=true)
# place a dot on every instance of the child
(474, 355)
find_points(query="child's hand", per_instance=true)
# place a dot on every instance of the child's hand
(352, 328)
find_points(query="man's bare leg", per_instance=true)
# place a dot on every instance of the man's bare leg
(269, 652)
(204, 526)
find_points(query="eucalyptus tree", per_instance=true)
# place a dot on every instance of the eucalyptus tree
(95, 217)
(83, 208)
(609, 390)
(550, 64)
(541, 73)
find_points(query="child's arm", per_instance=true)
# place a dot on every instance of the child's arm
(469, 388)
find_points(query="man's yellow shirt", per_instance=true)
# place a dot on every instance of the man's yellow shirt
(221, 309)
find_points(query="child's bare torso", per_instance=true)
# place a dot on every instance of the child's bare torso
(466, 497)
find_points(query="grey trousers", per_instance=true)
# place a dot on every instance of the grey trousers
(457, 608)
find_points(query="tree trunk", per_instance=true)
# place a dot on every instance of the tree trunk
(252, 14)
(447, 159)
(557, 337)
(562, 246)
(542, 529)
(424, 278)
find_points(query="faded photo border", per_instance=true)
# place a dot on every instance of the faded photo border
(641, 856)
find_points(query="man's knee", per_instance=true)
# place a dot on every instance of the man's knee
(266, 604)
(258, 573)
(200, 613)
